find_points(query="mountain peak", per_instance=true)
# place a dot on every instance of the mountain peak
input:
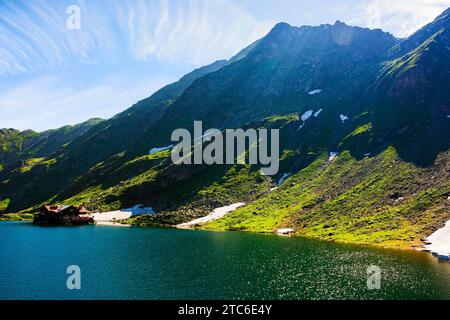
(279, 33)
(280, 28)
(339, 23)
(444, 15)
(441, 23)
(8, 130)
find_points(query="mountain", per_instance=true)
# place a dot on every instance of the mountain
(379, 102)
(412, 96)
(20, 151)
(18, 146)
(105, 140)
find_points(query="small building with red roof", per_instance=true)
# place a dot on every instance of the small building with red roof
(62, 215)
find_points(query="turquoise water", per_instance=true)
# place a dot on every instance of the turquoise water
(133, 263)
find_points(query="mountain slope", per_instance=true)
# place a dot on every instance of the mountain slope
(375, 200)
(399, 192)
(412, 95)
(106, 139)
(276, 75)
(237, 87)
(17, 146)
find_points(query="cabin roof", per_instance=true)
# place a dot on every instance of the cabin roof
(55, 209)
(82, 209)
(60, 208)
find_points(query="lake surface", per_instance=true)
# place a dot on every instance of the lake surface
(133, 263)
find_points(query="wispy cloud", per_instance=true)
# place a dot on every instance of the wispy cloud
(115, 34)
(45, 103)
(34, 37)
(197, 31)
(33, 34)
(401, 17)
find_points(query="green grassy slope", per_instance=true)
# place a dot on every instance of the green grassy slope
(178, 193)
(23, 151)
(380, 200)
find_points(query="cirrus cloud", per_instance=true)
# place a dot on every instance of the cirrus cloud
(33, 34)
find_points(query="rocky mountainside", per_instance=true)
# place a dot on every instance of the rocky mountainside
(382, 104)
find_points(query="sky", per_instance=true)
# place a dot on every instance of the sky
(65, 61)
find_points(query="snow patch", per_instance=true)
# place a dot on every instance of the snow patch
(313, 92)
(122, 214)
(333, 155)
(215, 215)
(139, 210)
(283, 178)
(111, 216)
(343, 118)
(285, 232)
(439, 242)
(156, 150)
(317, 113)
(307, 115)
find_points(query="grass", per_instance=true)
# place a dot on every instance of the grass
(217, 187)
(4, 204)
(379, 200)
(30, 163)
(16, 217)
(107, 195)
(179, 193)
(401, 65)
(268, 212)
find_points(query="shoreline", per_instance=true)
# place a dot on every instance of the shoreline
(410, 246)
(111, 224)
(437, 244)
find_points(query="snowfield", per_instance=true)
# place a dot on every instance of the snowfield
(111, 216)
(313, 92)
(307, 115)
(343, 118)
(215, 215)
(139, 209)
(333, 155)
(122, 214)
(440, 241)
(284, 177)
(285, 231)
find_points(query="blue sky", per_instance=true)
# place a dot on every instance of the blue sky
(127, 49)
